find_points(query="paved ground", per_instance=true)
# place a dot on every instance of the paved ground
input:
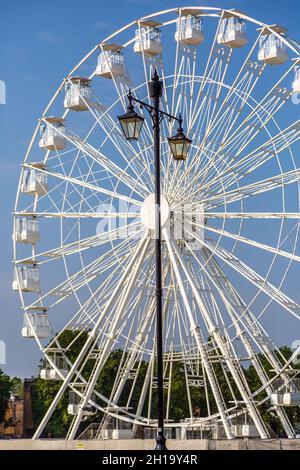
(138, 444)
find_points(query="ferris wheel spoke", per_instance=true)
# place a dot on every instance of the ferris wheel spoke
(96, 189)
(254, 123)
(110, 340)
(183, 91)
(178, 65)
(233, 365)
(122, 87)
(125, 148)
(251, 322)
(204, 115)
(102, 264)
(253, 277)
(237, 308)
(96, 176)
(138, 161)
(79, 215)
(88, 344)
(108, 164)
(103, 293)
(140, 338)
(252, 215)
(183, 86)
(114, 135)
(127, 314)
(199, 340)
(221, 343)
(210, 67)
(247, 328)
(260, 156)
(137, 295)
(186, 356)
(82, 244)
(211, 101)
(234, 370)
(242, 86)
(258, 118)
(85, 316)
(253, 189)
(149, 65)
(251, 242)
(86, 274)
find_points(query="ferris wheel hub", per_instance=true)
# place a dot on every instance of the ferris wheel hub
(148, 211)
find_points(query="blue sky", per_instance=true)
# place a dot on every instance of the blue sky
(39, 44)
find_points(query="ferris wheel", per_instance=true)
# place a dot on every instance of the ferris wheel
(83, 227)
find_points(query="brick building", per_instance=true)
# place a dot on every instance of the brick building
(18, 416)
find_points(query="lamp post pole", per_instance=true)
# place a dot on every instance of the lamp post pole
(155, 91)
(131, 124)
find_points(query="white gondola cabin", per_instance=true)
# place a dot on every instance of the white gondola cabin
(50, 373)
(148, 40)
(291, 399)
(52, 134)
(26, 230)
(245, 430)
(122, 432)
(289, 392)
(296, 82)
(36, 323)
(78, 94)
(232, 31)
(110, 63)
(26, 278)
(272, 49)
(75, 405)
(189, 28)
(35, 181)
(286, 399)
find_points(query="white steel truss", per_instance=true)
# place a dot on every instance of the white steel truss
(226, 270)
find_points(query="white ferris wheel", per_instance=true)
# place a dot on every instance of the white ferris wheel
(83, 238)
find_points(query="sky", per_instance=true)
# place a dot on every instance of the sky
(39, 43)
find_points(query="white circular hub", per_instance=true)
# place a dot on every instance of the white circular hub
(148, 211)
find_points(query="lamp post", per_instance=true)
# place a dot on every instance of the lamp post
(131, 124)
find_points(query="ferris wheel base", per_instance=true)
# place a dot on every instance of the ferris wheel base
(149, 444)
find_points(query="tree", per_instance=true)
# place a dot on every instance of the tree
(5, 388)
(17, 387)
(44, 391)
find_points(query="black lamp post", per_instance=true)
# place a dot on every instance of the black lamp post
(131, 124)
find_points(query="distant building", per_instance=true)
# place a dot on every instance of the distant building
(18, 417)
(28, 426)
(13, 424)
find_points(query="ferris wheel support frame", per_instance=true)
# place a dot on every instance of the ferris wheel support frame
(90, 340)
(244, 323)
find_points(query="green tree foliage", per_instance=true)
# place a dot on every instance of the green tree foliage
(44, 391)
(5, 388)
(17, 386)
(180, 406)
